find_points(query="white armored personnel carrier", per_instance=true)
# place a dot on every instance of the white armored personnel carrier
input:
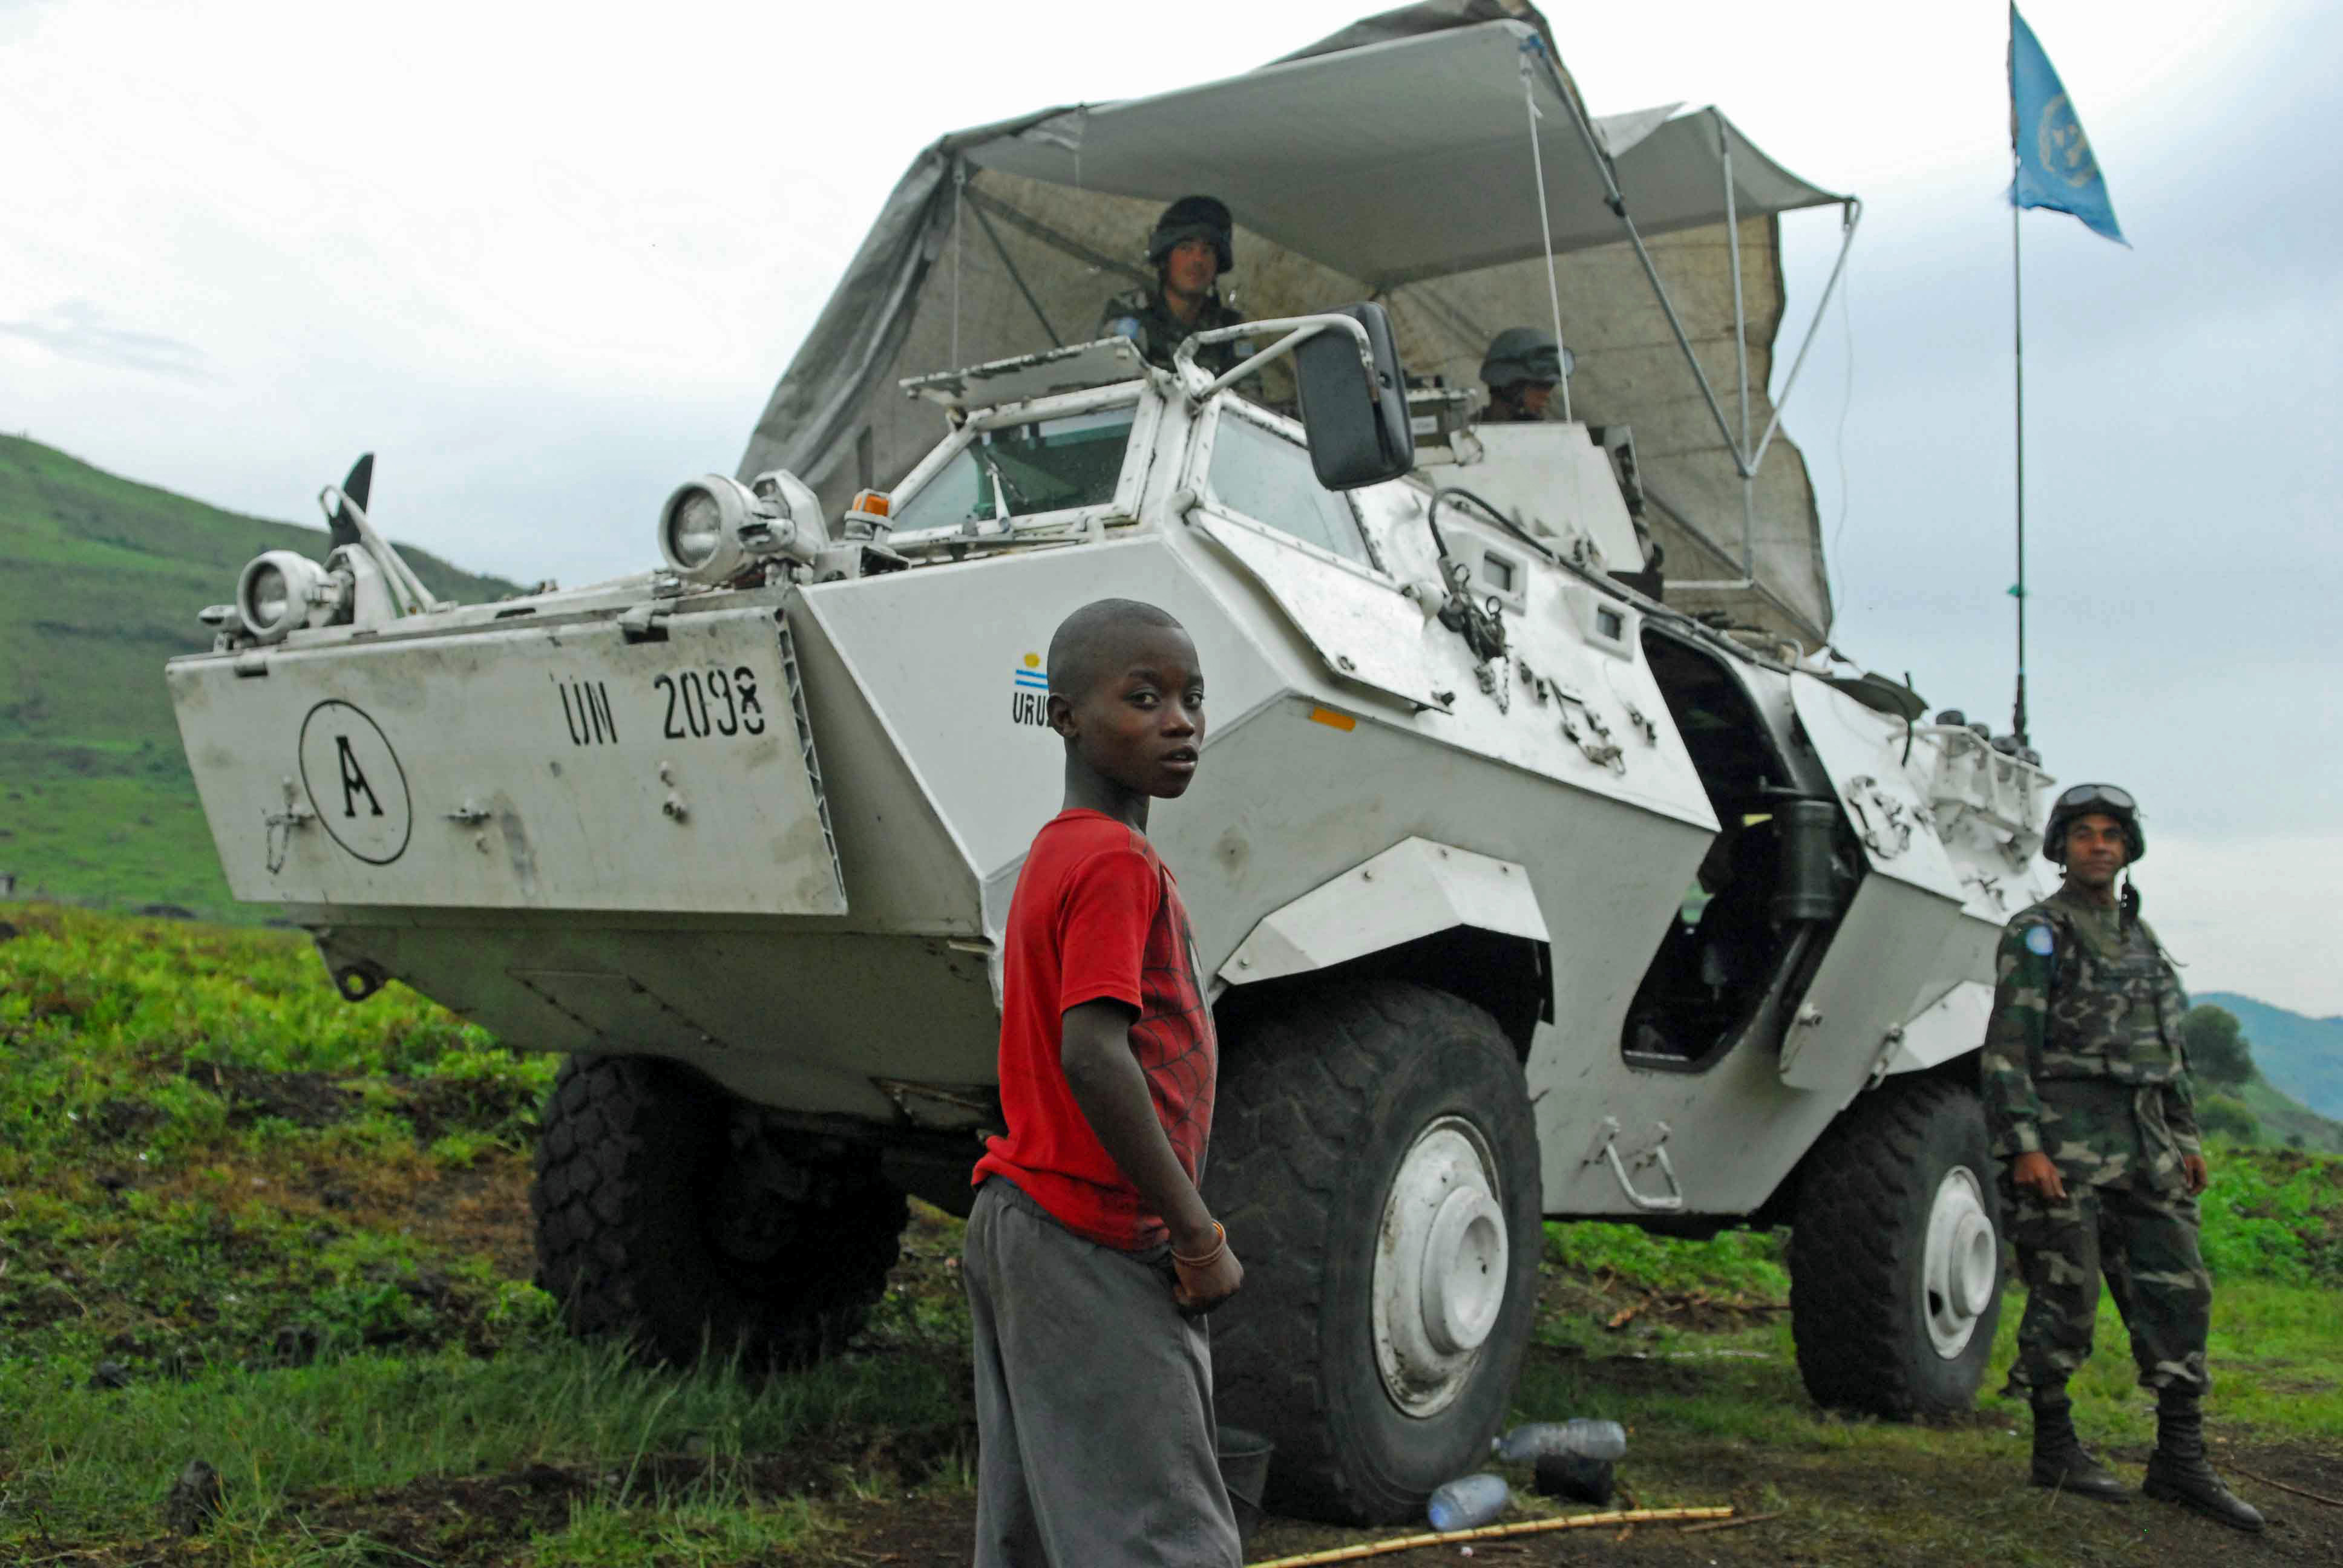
(1540, 876)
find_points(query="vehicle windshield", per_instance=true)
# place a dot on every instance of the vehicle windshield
(1022, 470)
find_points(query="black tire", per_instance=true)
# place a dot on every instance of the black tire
(1323, 1092)
(1859, 1300)
(632, 1163)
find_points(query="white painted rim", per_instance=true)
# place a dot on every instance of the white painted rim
(1957, 1267)
(1441, 1267)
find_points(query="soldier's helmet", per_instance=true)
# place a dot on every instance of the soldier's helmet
(1194, 217)
(2089, 799)
(1520, 354)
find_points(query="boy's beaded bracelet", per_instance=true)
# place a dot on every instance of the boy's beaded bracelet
(1220, 1245)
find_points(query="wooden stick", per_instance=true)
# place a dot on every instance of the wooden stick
(1494, 1531)
(1734, 1523)
(2282, 1486)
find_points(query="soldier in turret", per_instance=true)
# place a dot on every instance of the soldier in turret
(1192, 247)
(2093, 1117)
(1521, 369)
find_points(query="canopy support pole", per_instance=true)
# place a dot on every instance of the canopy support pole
(1617, 203)
(1850, 214)
(1545, 226)
(1015, 276)
(959, 247)
(1026, 224)
(1740, 355)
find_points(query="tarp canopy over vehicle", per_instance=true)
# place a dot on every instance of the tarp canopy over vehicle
(1401, 160)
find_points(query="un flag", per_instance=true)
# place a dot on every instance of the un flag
(2055, 165)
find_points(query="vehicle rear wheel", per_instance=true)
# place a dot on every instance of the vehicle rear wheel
(1896, 1253)
(664, 1219)
(1375, 1160)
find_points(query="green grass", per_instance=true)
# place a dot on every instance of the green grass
(295, 1228)
(100, 582)
(366, 1422)
(1735, 1265)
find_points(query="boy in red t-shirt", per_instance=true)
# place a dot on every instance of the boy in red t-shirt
(1091, 1257)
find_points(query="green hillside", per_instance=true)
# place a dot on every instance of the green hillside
(2303, 1056)
(100, 580)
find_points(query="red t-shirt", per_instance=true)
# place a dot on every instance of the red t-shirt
(1096, 915)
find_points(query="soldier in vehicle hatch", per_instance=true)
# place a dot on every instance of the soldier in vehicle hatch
(1192, 248)
(1521, 369)
(2088, 1095)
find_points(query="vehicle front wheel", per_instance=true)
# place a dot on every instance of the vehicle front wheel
(1896, 1253)
(1375, 1160)
(666, 1219)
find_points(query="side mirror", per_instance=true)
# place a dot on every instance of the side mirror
(1360, 433)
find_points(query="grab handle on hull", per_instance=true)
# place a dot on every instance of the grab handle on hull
(1672, 1200)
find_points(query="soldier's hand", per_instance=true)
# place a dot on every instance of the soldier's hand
(2037, 1174)
(2200, 1178)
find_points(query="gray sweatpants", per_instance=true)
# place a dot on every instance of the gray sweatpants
(1093, 1403)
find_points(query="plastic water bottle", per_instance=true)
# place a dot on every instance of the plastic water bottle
(1468, 1502)
(1581, 1438)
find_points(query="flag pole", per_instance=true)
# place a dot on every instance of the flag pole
(2017, 343)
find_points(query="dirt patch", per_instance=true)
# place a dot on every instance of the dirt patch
(124, 1119)
(435, 1106)
(458, 1520)
(1836, 1508)
(1617, 1306)
(303, 1098)
(480, 1212)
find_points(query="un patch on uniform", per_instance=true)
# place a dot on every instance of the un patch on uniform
(2038, 940)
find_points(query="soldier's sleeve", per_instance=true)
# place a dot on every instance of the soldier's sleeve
(2013, 1037)
(2180, 1116)
(2180, 1094)
(1121, 319)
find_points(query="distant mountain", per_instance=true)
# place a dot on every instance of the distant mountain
(2302, 1056)
(100, 580)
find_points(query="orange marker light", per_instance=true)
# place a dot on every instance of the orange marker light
(1332, 719)
(871, 501)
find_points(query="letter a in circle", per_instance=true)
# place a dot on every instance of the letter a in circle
(353, 780)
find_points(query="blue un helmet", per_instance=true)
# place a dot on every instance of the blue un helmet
(2089, 799)
(1194, 217)
(1520, 354)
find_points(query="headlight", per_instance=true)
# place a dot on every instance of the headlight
(275, 593)
(713, 528)
(700, 529)
(697, 529)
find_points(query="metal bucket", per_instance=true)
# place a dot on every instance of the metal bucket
(1244, 1470)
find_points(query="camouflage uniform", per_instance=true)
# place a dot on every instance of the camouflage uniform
(2083, 1063)
(1140, 315)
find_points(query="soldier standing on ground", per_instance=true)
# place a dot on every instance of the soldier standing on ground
(2094, 1120)
(1192, 248)
(1521, 369)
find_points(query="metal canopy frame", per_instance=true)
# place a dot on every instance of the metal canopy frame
(1746, 458)
(1427, 55)
(1538, 64)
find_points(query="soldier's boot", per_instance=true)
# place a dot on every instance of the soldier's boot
(2061, 1461)
(2177, 1471)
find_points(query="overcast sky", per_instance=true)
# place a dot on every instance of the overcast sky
(549, 261)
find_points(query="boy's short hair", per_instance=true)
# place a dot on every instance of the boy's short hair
(1084, 639)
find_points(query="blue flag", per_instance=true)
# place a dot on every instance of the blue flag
(2055, 165)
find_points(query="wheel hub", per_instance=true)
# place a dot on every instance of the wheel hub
(1960, 1262)
(1440, 1267)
